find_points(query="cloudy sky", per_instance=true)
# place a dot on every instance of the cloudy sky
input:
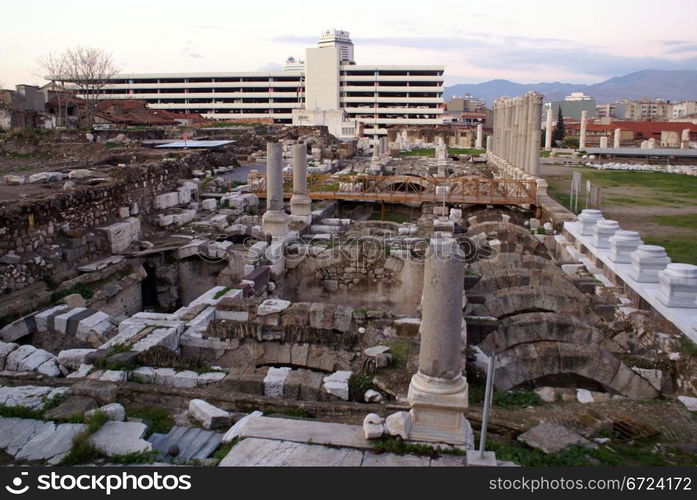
(524, 41)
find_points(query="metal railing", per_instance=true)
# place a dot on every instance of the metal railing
(409, 189)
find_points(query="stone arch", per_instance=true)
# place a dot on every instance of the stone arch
(512, 238)
(542, 327)
(509, 278)
(512, 261)
(509, 302)
(524, 364)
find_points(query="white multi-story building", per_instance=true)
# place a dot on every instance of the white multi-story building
(328, 88)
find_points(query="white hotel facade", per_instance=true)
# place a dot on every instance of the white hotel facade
(328, 88)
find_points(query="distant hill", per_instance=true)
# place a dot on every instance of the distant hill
(671, 85)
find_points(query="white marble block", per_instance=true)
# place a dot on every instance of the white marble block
(602, 231)
(588, 218)
(678, 286)
(647, 261)
(622, 245)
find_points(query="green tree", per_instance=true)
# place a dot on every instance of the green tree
(559, 129)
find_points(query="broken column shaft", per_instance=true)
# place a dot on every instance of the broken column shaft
(438, 391)
(300, 202)
(275, 220)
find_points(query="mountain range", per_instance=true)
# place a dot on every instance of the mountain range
(674, 86)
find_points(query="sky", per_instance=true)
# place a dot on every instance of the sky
(523, 41)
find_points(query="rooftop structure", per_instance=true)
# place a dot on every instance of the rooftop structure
(350, 98)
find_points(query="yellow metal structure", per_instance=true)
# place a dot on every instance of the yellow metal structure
(409, 189)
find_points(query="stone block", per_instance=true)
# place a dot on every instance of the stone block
(113, 411)
(185, 378)
(61, 321)
(373, 427)
(208, 415)
(5, 349)
(49, 368)
(121, 438)
(209, 204)
(274, 380)
(166, 200)
(234, 431)
(647, 261)
(551, 438)
(678, 286)
(399, 424)
(17, 356)
(104, 392)
(336, 384)
(44, 319)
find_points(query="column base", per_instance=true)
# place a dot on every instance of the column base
(475, 459)
(437, 410)
(275, 223)
(300, 206)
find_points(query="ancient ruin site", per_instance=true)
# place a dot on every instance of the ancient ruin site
(271, 295)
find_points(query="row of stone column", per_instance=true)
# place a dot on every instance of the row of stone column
(650, 263)
(650, 143)
(275, 219)
(517, 131)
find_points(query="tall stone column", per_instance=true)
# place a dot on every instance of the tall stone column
(479, 142)
(300, 202)
(275, 220)
(523, 133)
(618, 138)
(685, 139)
(515, 133)
(508, 132)
(548, 129)
(438, 391)
(582, 137)
(497, 127)
(534, 132)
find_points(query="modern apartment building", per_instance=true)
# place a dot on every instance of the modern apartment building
(328, 88)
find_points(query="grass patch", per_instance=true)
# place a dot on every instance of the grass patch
(507, 400)
(81, 289)
(644, 453)
(390, 217)
(159, 420)
(20, 412)
(545, 154)
(138, 457)
(688, 221)
(678, 249)
(83, 451)
(399, 349)
(399, 447)
(291, 412)
(223, 450)
(221, 293)
(358, 384)
(687, 346)
(204, 182)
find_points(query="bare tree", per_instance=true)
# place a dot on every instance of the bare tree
(88, 70)
(54, 69)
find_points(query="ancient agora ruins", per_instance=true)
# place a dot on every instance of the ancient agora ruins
(271, 295)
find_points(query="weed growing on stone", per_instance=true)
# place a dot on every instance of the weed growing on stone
(159, 420)
(83, 451)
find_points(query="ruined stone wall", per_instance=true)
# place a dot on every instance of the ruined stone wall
(51, 236)
(389, 282)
